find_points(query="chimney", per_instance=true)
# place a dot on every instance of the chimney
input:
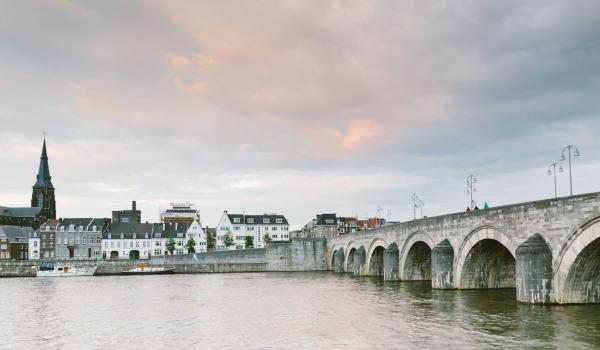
(133, 205)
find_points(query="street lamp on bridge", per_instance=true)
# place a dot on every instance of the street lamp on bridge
(562, 158)
(552, 171)
(470, 188)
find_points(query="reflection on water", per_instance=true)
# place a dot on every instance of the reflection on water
(279, 310)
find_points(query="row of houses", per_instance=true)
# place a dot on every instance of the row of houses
(126, 237)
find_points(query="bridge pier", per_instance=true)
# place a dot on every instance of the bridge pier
(360, 256)
(534, 271)
(391, 263)
(338, 261)
(442, 260)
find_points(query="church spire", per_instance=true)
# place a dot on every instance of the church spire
(43, 176)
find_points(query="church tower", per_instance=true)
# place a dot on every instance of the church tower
(43, 190)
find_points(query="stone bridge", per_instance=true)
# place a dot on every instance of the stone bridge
(548, 250)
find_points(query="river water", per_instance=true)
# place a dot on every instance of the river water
(278, 311)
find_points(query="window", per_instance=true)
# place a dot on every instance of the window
(124, 220)
(98, 239)
(266, 221)
(157, 235)
(84, 240)
(279, 221)
(250, 228)
(119, 244)
(35, 244)
(236, 228)
(250, 220)
(274, 228)
(329, 221)
(122, 236)
(130, 244)
(236, 220)
(112, 244)
(134, 236)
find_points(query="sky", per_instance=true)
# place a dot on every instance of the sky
(297, 107)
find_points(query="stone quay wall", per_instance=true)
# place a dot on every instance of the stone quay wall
(304, 254)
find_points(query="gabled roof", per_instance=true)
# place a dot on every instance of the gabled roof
(87, 223)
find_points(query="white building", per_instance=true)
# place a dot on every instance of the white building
(241, 225)
(34, 245)
(128, 241)
(197, 233)
(181, 213)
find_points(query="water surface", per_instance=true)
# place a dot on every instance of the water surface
(278, 311)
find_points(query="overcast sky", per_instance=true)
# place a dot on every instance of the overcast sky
(297, 107)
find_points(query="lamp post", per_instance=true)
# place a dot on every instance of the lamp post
(470, 188)
(576, 153)
(415, 200)
(553, 172)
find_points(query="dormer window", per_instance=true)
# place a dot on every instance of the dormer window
(250, 220)
(134, 236)
(329, 221)
(279, 221)
(266, 221)
(109, 236)
(80, 228)
(146, 236)
(95, 228)
(236, 220)
(71, 227)
(122, 236)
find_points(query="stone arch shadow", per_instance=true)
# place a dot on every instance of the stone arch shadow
(577, 265)
(374, 261)
(485, 259)
(415, 257)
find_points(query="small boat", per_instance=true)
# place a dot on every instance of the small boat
(149, 270)
(55, 269)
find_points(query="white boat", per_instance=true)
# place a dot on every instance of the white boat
(54, 269)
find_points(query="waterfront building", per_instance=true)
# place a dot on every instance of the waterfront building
(241, 225)
(34, 245)
(47, 234)
(176, 231)
(130, 240)
(181, 213)
(324, 225)
(196, 232)
(80, 238)
(127, 216)
(14, 242)
(43, 190)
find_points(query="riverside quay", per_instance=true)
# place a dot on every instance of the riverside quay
(548, 250)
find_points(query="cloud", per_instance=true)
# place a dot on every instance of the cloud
(295, 107)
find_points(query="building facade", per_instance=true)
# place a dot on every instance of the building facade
(47, 235)
(181, 213)
(241, 225)
(80, 238)
(14, 242)
(127, 216)
(128, 240)
(198, 234)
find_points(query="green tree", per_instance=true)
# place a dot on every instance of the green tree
(170, 245)
(210, 241)
(267, 238)
(191, 246)
(228, 240)
(249, 242)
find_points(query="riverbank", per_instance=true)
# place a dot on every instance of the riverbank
(305, 254)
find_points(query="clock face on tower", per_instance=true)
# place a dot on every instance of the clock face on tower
(40, 199)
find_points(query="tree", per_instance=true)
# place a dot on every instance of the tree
(170, 245)
(191, 246)
(249, 242)
(267, 238)
(210, 240)
(228, 240)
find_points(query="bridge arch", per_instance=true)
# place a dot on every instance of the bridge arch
(374, 263)
(415, 257)
(577, 267)
(350, 251)
(486, 259)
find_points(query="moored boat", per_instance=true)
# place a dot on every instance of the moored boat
(149, 270)
(55, 269)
